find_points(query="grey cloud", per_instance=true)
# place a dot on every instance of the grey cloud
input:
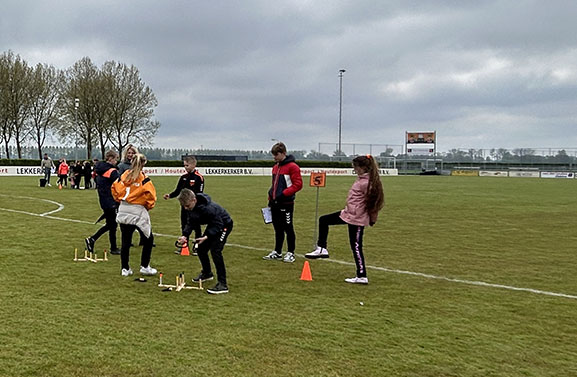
(484, 74)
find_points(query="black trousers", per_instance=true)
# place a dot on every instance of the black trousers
(127, 231)
(183, 220)
(215, 245)
(282, 221)
(62, 180)
(355, 239)
(110, 227)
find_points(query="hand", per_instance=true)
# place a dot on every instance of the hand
(201, 239)
(372, 223)
(182, 240)
(166, 196)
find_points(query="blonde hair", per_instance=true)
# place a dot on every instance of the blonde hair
(125, 151)
(138, 162)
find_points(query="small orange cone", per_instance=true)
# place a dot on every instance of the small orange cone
(60, 186)
(306, 274)
(185, 250)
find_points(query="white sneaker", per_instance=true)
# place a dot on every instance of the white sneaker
(319, 252)
(148, 270)
(126, 272)
(49, 185)
(357, 280)
(289, 258)
(273, 255)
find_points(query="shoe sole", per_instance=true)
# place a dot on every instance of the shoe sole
(357, 282)
(198, 280)
(216, 292)
(288, 261)
(316, 256)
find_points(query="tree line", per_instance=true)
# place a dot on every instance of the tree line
(83, 105)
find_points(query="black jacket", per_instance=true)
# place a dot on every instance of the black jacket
(193, 181)
(206, 212)
(106, 174)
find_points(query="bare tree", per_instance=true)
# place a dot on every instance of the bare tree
(44, 95)
(15, 100)
(5, 125)
(80, 106)
(131, 105)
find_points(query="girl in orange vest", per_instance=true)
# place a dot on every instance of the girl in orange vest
(137, 196)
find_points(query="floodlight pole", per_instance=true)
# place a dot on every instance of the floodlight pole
(340, 109)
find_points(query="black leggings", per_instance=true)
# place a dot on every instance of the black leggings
(355, 239)
(282, 221)
(127, 231)
(62, 180)
(110, 227)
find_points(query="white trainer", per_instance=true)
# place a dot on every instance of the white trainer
(357, 280)
(273, 255)
(148, 270)
(319, 252)
(289, 258)
(126, 272)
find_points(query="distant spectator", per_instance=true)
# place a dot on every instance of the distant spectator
(63, 169)
(77, 173)
(87, 171)
(126, 162)
(47, 165)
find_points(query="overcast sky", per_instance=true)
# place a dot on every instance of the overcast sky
(237, 74)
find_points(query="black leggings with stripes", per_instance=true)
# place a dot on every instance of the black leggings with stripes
(355, 239)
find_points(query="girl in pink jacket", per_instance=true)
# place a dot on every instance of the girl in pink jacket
(365, 200)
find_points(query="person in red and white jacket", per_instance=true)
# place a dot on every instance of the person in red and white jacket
(286, 182)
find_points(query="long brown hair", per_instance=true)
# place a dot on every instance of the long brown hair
(138, 162)
(375, 199)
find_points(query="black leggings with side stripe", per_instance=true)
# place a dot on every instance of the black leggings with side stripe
(355, 239)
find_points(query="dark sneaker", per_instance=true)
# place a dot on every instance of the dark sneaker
(218, 289)
(203, 277)
(115, 251)
(89, 244)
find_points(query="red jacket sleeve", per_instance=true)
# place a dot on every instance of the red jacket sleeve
(296, 179)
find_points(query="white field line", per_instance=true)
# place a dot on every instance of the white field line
(385, 269)
(59, 205)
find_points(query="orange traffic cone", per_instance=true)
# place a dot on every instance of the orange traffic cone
(60, 186)
(306, 274)
(185, 250)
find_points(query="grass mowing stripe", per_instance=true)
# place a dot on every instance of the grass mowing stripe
(376, 268)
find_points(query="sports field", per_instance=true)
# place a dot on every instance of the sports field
(468, 277)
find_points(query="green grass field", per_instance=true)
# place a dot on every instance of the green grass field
(61, 318)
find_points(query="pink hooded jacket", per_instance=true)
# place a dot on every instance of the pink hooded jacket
(355, 212)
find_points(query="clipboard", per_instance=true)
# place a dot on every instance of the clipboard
(266, 215)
